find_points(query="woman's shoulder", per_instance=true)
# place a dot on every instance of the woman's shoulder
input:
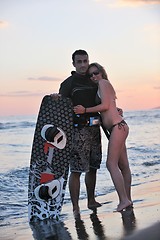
(105, 85)
(104, 82)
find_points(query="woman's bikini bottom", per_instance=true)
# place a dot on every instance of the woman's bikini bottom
(120, 125)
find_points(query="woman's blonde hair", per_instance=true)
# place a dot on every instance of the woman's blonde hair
(100, 68)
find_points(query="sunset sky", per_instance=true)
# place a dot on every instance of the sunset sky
(38, 37)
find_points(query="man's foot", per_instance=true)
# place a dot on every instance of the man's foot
(94, 205)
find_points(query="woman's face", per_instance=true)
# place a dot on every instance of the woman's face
(94, 74)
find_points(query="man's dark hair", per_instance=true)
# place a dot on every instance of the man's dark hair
(78, 52)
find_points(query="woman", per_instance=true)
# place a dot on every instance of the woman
(117, 160)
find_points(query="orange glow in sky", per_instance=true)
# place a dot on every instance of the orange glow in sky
(38, 39)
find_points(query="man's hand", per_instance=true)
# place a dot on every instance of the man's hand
(55, 96)
(79, 109)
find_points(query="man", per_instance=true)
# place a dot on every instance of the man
(86, 152)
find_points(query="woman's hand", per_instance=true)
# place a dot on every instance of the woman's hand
(120, 111)
(79, 109)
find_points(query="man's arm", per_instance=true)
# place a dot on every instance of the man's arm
(65, 87)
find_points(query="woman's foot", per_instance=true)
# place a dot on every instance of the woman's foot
(94, 205)
(122, 206)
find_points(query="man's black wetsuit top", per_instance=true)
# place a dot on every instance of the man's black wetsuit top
(81, 90)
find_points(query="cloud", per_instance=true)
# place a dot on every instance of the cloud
(157, 87)
(131, 3)
(3, 24)
(27, 93)
(142, 1)
(22, 94)
(44, 78)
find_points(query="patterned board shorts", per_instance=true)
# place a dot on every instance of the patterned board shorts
(87, 151)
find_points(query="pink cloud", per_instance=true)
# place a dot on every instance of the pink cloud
(3, 24)
(44, 78)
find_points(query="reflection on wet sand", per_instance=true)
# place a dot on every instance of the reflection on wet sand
(54, 230)
(97, 226)
(129, 221)
(49, 230)
(81, 231)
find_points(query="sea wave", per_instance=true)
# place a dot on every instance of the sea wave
(151, 163)
(143, 150)
(13, 125)
(13, 184)
(13, 191)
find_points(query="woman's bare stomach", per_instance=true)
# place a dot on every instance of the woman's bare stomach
(109, 119)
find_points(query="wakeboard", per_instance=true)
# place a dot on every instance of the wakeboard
(50, 156)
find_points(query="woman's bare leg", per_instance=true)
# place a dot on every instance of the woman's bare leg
(124, 167)
(115, 146)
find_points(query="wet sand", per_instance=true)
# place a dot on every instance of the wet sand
(110, 225)
(142, 222)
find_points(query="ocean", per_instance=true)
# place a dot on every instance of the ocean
(16, 136)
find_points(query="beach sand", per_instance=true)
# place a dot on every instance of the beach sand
(143, 222)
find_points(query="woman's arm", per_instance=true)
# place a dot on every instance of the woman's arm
(104, 91)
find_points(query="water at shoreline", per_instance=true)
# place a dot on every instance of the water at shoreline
(15, 143)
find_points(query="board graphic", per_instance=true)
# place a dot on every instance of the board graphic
(50, 158)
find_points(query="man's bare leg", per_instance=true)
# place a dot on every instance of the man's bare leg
(74, 188)
(90, 181)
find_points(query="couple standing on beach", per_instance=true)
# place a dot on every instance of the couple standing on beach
(91, 94)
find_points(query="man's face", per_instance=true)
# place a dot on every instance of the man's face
(81, 63)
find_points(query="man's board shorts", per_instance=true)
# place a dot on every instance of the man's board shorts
(87, 151)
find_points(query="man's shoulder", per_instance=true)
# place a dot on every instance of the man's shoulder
(66, 86)
(69, 79)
